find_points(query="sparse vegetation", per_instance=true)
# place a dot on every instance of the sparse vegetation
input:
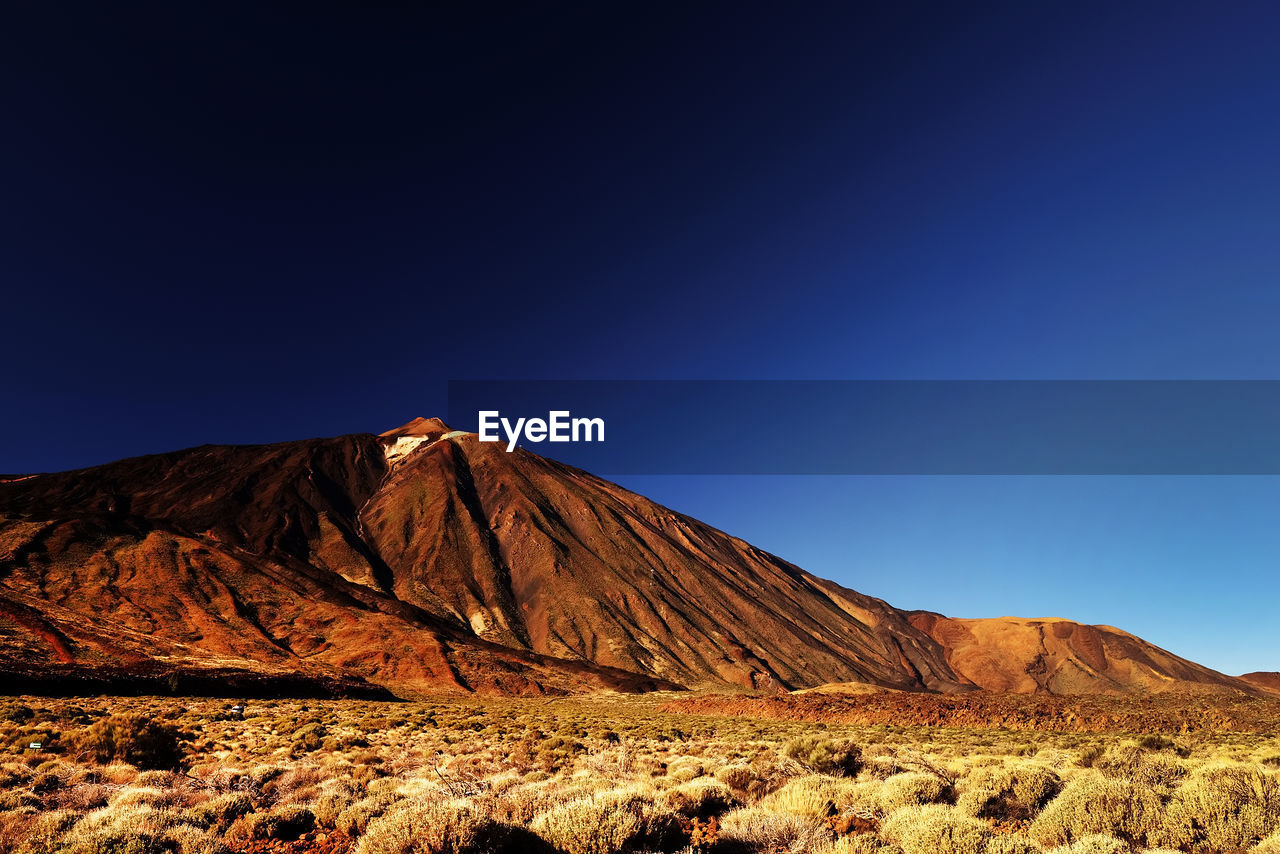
(596, 775)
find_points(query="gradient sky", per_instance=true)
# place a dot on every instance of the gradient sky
(228, 223)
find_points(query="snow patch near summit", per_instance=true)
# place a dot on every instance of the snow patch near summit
(403, 446)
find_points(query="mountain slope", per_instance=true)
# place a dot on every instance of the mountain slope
(1062, 657)
(1268, 681)
(537, 555)
(246, 559)
(423, 559)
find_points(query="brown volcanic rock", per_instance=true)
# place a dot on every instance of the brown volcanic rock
(1061, 657)
(430, 428)
(424, 559)
(235, 557)
(1266, 680)
(537, 555)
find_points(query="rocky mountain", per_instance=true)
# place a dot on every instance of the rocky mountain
(1266, 680)
(424, 560)
(1056, 656)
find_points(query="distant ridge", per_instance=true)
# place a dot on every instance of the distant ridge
(1267, 681)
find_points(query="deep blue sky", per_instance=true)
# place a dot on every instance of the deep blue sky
(252, 223)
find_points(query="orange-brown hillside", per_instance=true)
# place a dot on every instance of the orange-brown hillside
(1061, 657)
(423, 559)
(1267, 681)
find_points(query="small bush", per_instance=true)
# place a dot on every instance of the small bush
(287, 823)
(355, 819)
(607, 823)
(438, 828)
(188, 839)
(136, 829)
(1096, 844)
(914, 788)
(936, 830)
(838, 758)
(308, 738)
(736, 777)
(1005, 793)
(759, 829)
(701, 799)
(140, 741)
(1131, 762)
(17, 713)
(43, 836)
(1095, 804)
(819, 796)
(219, 812)
(1222, 808)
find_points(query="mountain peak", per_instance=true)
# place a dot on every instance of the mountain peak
(430, 428)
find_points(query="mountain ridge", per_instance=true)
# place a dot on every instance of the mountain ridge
(422, 559)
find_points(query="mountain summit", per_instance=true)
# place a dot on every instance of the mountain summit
(423, 559)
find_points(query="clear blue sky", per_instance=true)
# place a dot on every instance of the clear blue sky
(224, 224)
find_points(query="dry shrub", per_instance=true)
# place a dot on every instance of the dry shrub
(1011, 845)
(1131, 762)
(819, 796)
(295, 785)
(936, 829)
(1222, 808)
(286, 823)
(42, 835)
(157, 779)
(760, 829)
(1096, 844)
(137, 829)
(20, 799)
(354, 819)
(118, 773)
(434, 828)
(1270, 845)
(188, 839)
(836, 757)
(913, 788)
(340, 795)
(83, 798)
(736, 777)
(685, 770)
(1009, 793)
(751, 782)
(219, 812)
(1095, 804)
(136, 739)
(608, 822)
(700, 799)
(146, 796)
(863, 843)
(519, 805)
(14, 774)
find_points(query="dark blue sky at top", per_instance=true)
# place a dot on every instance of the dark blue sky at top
(242, 223)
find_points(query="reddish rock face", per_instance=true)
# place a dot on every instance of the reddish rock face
(1268, 681)
(424, 560)
(1061, 657)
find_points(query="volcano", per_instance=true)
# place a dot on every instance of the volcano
(422, 560)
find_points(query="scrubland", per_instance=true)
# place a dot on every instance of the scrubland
(605, 774)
